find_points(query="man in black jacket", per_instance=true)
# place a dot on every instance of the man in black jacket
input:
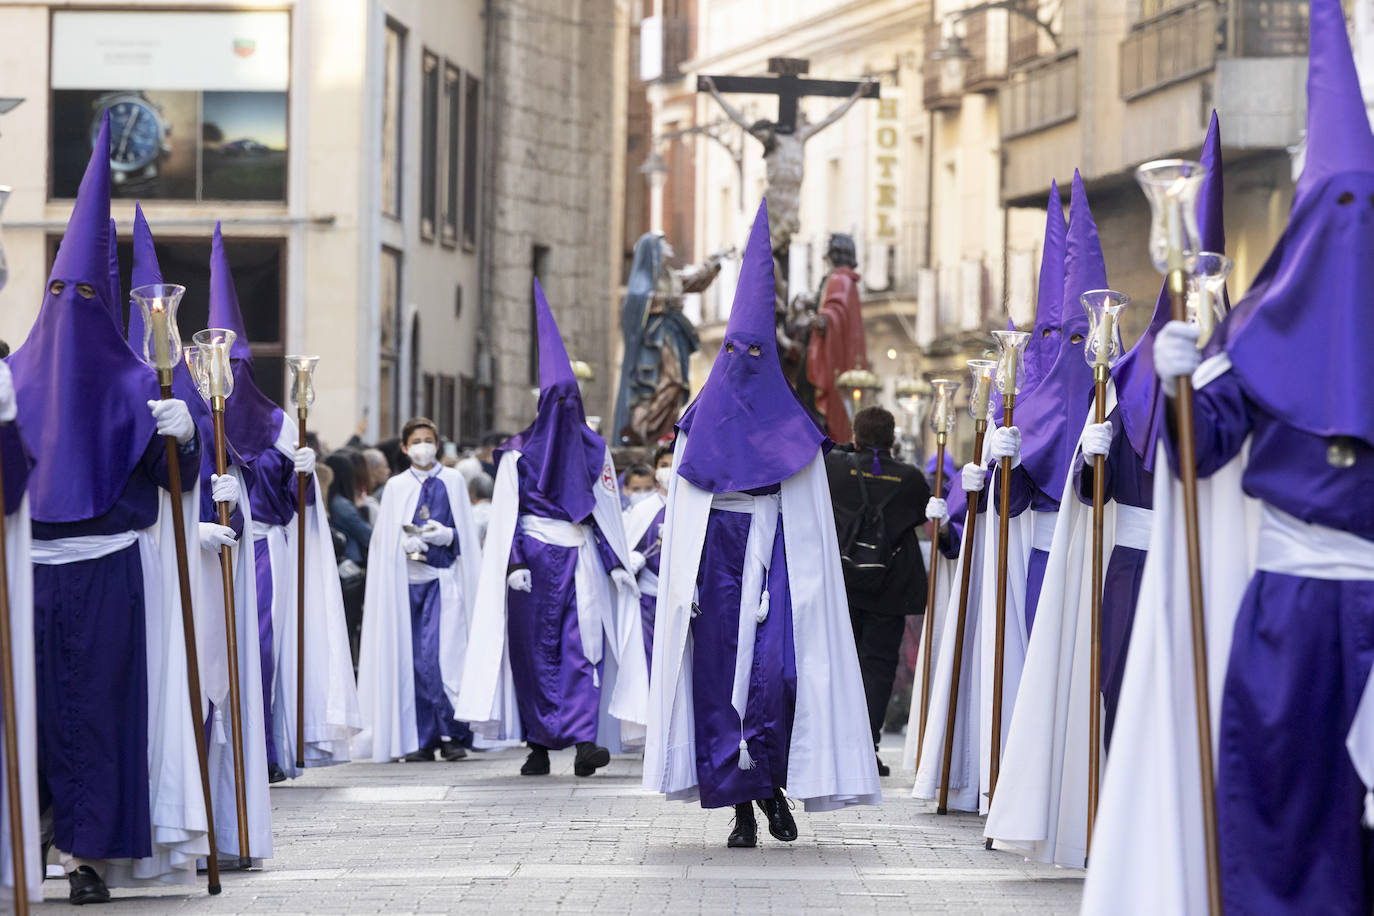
(867, 469)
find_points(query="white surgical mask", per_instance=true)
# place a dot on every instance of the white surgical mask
(422, 454)
(637, 498)
(664, 476)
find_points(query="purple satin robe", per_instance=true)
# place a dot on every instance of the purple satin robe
(433, 711)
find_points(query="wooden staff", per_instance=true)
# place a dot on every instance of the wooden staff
(928, 634)
(8, 706)
(226, 562)
(302, 482)
(980, 426)
(1095, 661)
(188, 629)
(1000, 642)
(1187, 465)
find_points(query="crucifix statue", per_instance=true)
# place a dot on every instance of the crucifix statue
(784, 138)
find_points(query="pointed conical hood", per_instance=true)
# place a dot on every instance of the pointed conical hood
(746, 428)
(1043, 346)
(563, 458)
(146, 271)
(116, 308)
(1139, 401)
(1338, 136)
(1055, 410)
(1300, 339)
(252, 421)
(81, 390)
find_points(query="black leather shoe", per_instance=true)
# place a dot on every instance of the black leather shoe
(778, 810)
(451, 751)
(87, 887)
(590, 758)
(275, 774)
(420, 756)
(744, 834)
(883, 769)
(537, 763)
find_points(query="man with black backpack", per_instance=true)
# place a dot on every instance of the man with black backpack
(879, 504)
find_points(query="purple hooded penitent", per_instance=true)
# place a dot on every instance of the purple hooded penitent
(566, 456)
(83, 394)
(1053, 413)
(117, 312)
(1138, 394)
(1300, 340)
(251, 420)
(1043, 346)
(755, 433)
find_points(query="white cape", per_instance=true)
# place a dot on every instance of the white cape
(386, 669)
(1148, 853)
(213, 653)
(332, 717)
(1041, 805)
(486, 699)
(830, 759)
(19, 568)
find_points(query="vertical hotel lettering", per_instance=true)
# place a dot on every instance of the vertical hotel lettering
(887, 159)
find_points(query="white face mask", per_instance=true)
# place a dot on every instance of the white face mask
(637, 498)
(422, 454)
(664, 476)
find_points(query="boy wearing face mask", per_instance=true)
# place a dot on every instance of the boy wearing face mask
(643, 532)
(424, 557)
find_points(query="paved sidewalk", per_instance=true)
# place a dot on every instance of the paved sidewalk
(475, 836)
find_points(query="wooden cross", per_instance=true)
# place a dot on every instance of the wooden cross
(787, 87)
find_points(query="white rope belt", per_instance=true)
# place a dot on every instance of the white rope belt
(648, 583)
(1292, 547)
(61, 551)
(263, 530)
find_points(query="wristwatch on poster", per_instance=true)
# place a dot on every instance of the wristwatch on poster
(138, 137)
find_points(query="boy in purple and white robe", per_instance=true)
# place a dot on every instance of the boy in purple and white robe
(117, 754)
(266, 440)
(555, 589)
(644, 534)
(756, 693)
(1283, 410)
(418, 609)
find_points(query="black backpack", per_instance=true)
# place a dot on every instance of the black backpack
(865, 552)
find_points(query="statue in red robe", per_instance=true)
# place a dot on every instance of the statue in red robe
(837, 341)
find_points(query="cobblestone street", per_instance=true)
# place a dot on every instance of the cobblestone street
(475, 836)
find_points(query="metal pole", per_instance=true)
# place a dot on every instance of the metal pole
(1095, 660)
(970, 525)
(1000, 642)
(928, 634)
(302, 481)
(226, 562)
(14, 796)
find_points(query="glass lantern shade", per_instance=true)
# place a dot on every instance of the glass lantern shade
(942, 405)
(161, 339)
(855, 383)
(1171, 186)
(216, 376)
(1208, 272)
(982, 379)
(4, 264)
(1103, 345)
(1011, 363)
(301, 391)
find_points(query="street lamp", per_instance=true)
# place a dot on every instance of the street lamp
(856, 383)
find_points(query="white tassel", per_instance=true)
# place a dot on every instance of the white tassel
(762, 613)
(219, 735)
(745, 761)
(596, 678)
(1369, 810)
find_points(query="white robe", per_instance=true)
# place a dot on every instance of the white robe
(212, 650)
(332, 717)
(935, 617)
(19, 568)
(1041, 804)
(830, 758)
(1148, 853)
(486, 699)
(386, 667)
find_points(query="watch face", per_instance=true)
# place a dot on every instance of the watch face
(135, 134)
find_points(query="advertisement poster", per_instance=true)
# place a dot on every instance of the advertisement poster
(197, 102)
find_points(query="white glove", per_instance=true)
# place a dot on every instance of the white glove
(224, 488)
(173, 419)
(1175, 353)
(636, 561)
(305, 460)
(974, 477)
(213, 537)
(937, 510)
(1006, 443)
(624, 580)
(436, 535)
(1097, 439)
(8, 409)
(520, 581)
(412, 544)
